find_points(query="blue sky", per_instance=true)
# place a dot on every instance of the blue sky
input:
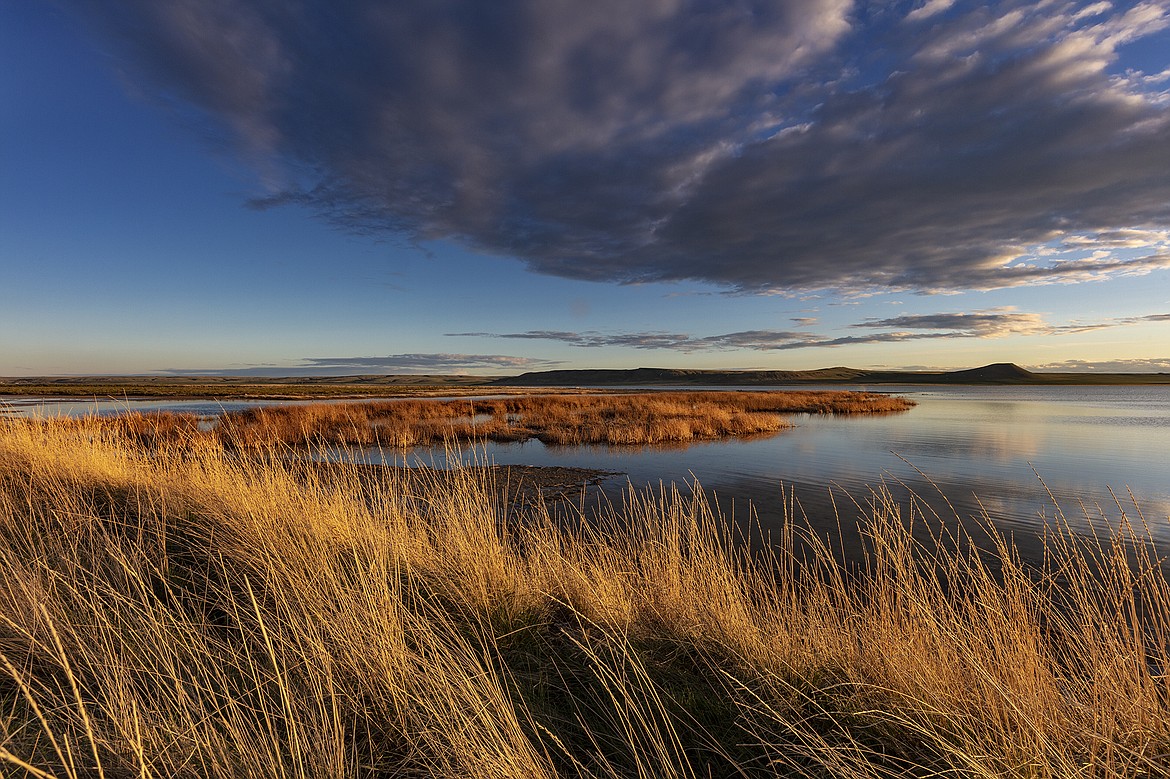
(457, 187)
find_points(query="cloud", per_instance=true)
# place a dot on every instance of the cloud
(762, 146)
(928, 9)
(409, 363)
(990, 323)
(1135, 365)
(592, 340)
(755, 340)
(391, 363)
(1086, 327)
(1000, 322)
(994, 323)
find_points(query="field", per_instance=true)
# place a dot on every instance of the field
(175, 607)
(561, 419)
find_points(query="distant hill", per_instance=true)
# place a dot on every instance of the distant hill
(364, 386)
(997, 373)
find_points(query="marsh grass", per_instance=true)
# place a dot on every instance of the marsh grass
(557, 419)
(178, 608)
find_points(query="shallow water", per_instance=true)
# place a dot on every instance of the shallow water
(962, 450)
(13, 406)
(22, 406)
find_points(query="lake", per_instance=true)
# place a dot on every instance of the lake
(977, 446)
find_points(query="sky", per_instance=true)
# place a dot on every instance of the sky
(269, 187)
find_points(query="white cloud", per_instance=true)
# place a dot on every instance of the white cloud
(928, 9)
(1134, 365)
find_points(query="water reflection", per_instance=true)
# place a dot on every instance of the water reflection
(968, 451)
(13, 406)
(975, 447)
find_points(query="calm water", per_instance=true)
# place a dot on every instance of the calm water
(980, 448)
(72, 407)
(977, 446)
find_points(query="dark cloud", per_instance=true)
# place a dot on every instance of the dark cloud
(1086, 327)
(991, 323)
(410, 363)
(592, 339)
(756, 340)
(391, 363)
(980, 324)
(759, 145)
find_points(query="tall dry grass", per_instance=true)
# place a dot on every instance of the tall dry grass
(643, 418)
(178, 608)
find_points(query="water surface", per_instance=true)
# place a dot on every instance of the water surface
(964, 450)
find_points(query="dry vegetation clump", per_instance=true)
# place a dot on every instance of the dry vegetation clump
(151, 427)
(646, 418)
(147, 429)
(182, 610)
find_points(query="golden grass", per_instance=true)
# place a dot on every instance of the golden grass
(559, 419)
(179, 609)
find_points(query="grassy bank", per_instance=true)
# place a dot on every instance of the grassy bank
(180, 610)
(560, 419)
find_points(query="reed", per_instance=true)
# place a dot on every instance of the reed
(627, 419)
(184, 609)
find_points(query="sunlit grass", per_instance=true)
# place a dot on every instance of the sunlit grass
(173, 607)
(557, 419)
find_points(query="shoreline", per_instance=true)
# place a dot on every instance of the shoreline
(364, 387)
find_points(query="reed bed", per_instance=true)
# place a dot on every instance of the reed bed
(179, 608)
(634, 419)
